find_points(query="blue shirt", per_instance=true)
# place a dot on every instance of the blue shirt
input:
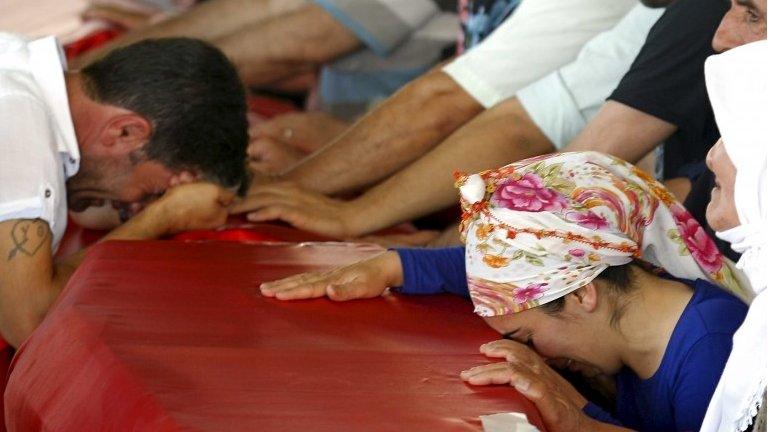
(676, 397)
(434, 271)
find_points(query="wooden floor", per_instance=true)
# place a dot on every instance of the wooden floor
(40, 17)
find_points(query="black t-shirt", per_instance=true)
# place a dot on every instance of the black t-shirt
(666, 80)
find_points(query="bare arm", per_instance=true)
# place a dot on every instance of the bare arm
(207, 21)
(287, 45)
(30, 281)
(622, 131)
(499, 136)
(403, 128)
(496, 137)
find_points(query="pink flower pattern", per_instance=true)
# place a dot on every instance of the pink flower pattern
(702, 247)
(588, 219)
(528, 194)
(530, 292)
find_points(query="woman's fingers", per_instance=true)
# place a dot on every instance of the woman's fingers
(319, 288)
(501, 348)
(494, 373)
(355, 289)
(305, 291)
(359, 280)
(305, 285)
(511, 351)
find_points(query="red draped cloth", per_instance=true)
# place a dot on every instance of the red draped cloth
(168, 336)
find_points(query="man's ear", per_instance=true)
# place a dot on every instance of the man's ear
(585, 298)
(184, 177)
(126, 133)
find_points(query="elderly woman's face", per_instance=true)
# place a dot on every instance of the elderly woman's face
(721, 211)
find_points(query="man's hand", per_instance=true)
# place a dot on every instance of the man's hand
(191, 206)
(278, 144)
(270, 156)
(365, 279)
(305, 210)
(304, 131)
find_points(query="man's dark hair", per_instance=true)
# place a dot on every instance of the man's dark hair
(191, 94)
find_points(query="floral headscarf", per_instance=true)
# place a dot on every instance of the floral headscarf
(538, 229)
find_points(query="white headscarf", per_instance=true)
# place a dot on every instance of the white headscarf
(737, 82)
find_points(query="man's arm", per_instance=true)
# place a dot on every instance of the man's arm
(208, 21)
(403, 128)
(622, 131)
(287, 45)
(498, 136)
(30, 281)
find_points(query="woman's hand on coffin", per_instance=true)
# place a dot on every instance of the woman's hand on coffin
(365, 279)
(516, 353)
(191, 206)
(305, 210)
(542, 386)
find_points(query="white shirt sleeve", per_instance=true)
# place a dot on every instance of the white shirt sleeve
(29, 168)
(564, 101)
(539, 37)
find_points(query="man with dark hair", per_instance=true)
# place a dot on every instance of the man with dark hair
(146, 118)
(192, 96)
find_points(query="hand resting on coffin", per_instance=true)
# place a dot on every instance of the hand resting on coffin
(558, 401)
(364, 279)
(304, 209)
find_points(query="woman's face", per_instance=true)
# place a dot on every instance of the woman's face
(560, 338)
(721, 211)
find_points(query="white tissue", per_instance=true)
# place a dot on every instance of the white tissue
(507, 422)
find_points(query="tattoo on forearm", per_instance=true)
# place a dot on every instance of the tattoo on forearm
(28, 236)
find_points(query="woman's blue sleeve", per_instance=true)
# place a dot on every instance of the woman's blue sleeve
(434, 271)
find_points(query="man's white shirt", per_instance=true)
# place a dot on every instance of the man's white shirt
(38, 147)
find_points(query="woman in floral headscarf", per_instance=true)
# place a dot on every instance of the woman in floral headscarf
(553, 246)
